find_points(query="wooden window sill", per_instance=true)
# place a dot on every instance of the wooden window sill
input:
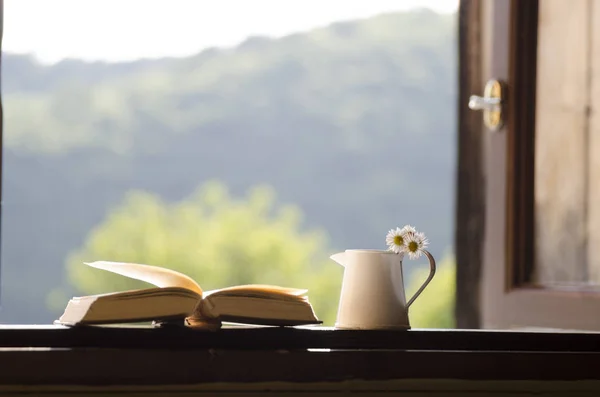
(54, 355)
(274, 338)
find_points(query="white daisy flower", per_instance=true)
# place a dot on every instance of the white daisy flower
(395, 240)
(406, 230)
(415, 244)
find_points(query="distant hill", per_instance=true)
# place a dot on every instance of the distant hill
(354, 122)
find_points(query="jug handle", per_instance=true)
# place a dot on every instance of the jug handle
(431, 274)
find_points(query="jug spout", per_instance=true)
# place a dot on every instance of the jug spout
(340, 258)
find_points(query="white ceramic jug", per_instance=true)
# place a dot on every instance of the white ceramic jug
(372, 295)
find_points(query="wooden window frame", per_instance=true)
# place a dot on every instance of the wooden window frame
(509, 297)
(470, 183)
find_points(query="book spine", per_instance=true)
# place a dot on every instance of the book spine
(202, 317)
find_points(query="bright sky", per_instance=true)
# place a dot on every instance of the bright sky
(117, 30)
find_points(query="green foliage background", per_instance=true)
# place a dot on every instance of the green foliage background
(434, 308)
(221, 242)
(353, 123)
(216, 240)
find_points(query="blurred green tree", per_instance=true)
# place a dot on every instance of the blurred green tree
(217, 240)
(434, 308)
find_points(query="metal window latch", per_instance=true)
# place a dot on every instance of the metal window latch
(492, 103)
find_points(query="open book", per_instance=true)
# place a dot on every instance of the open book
(179, 298)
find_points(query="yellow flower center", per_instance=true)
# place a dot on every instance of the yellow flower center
(398, 240)
(413, 246)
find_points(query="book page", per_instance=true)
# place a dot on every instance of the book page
(155, 275)
(260, 291)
